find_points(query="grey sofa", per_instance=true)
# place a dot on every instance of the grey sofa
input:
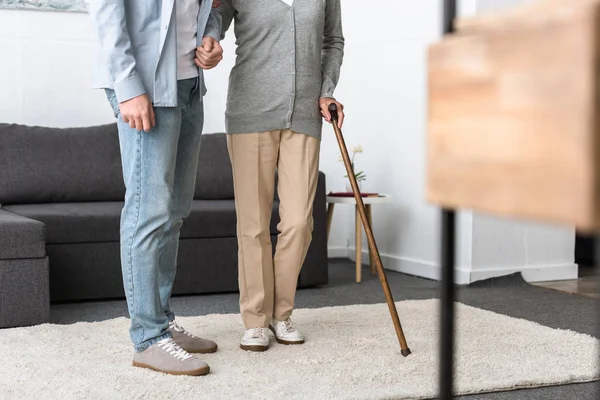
(61, 194)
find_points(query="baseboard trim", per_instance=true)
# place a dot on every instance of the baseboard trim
(463, 276)
(420, 268)
(530, 273)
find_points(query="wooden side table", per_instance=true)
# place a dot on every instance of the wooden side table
(333, 200)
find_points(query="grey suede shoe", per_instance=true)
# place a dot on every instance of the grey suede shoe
(167, 357)
(189, 342)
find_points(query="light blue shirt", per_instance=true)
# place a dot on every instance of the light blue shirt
(138, 46)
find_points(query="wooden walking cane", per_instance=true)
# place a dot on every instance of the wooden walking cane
(404, 350)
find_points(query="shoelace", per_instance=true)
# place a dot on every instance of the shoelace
(176, 327)
(173, 349)
(288, 325)
(257, 333)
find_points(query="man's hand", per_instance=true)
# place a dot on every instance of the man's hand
(138, 113)
(216, 3)
(209, 54)
(324, 103)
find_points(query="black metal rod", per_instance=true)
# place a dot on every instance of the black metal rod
(448, 244)
(449, 16)
(448, 260)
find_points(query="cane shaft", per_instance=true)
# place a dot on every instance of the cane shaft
(371, 239)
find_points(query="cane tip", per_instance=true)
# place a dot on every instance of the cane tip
(405, 352)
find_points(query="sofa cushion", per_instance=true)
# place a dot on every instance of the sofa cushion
(49, 165)
(215, 179)
(75, 222)
(21, 237)
(100, 221)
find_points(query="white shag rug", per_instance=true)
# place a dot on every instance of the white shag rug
(351, 353)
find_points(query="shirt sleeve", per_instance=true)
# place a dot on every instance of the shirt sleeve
(227, 14)
(213, 26)
(333, 48)
(108, 18)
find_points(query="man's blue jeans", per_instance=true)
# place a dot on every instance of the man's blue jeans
(159, 169)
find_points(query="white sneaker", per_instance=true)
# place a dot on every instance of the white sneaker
(285, 332)
(255, 339)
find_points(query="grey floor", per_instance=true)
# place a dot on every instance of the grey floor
(510, 296)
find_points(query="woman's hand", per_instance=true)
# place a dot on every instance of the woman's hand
(324, 103)
(216, 3)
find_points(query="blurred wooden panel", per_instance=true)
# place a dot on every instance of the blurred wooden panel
(513, 112)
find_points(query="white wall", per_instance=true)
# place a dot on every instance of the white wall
(407, 233)
(45, 78)
(496, 5)
(45, 70)
(384, 89)
(540, 252)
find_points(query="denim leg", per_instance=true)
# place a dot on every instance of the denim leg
(183, 191)
(149, 160)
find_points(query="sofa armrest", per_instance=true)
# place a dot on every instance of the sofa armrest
(21, 237)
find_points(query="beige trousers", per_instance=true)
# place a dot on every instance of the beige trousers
(268, 283)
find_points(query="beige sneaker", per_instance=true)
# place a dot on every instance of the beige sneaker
(189, 342)
(255, 339)
(285, 332)
(167, 357)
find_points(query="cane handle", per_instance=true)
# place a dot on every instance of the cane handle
(333, 111)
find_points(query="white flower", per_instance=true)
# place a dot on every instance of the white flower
(357, 149)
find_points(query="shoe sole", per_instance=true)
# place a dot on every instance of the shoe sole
(286, 342)
(253, 348)
(196, 372)
(203, 351)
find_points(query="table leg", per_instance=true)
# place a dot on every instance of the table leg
(371, 257)
(358, 247)
(329, 218)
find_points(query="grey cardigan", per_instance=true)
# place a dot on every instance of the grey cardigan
(287, 58)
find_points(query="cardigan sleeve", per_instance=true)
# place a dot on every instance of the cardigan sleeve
(333, 48)
(227, 14)
(213, 25)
